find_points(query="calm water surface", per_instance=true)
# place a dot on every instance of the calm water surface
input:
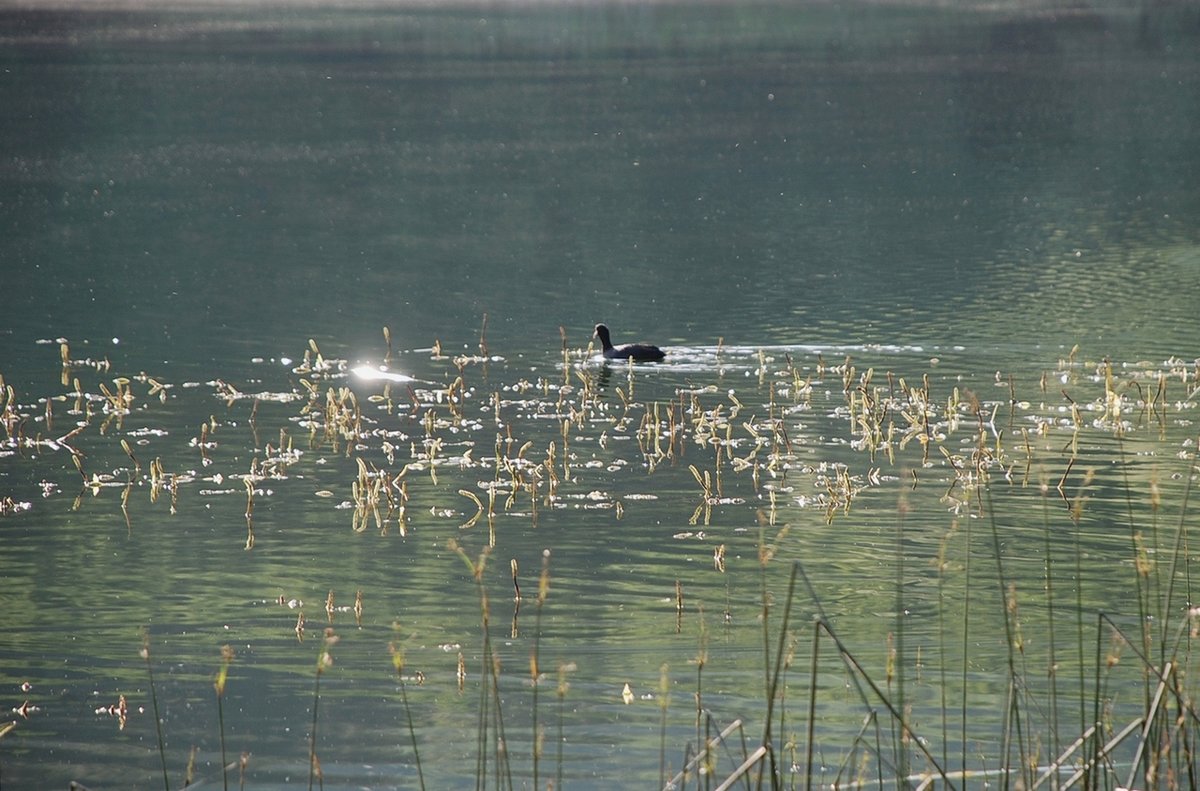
(191, 194)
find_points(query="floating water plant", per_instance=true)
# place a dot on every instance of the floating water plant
(791, 443)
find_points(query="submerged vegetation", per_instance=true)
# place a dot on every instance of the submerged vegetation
(1092, 699)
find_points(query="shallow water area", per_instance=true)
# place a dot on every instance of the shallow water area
(925, 278)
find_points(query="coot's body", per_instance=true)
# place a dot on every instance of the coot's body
(641, 352)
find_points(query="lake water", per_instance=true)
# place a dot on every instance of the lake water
(814, 209)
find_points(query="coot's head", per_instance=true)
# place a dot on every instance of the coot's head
(601, 332)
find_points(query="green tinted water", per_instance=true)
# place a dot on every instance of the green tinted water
(192, 194)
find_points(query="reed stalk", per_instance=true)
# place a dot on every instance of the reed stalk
(503, 766)
(489, 680)
(219, 685)
(1179, 553)
(1080, 633)
(942, 652)
(966, 642)
(481, 728)
(1012, 718)
(397, 655)
(1137, 552)
(900, 663)
(534, 665)
(1051, 638)
(561, 692)
(701, 660)
(162, 750)
(664, 702)
(324, 661)
(859, 677)
(772, 671)
(810, 737)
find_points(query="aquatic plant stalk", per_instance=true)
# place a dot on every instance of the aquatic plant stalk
(398, 665)
(810, 736)
(534, 669)
(706, 755)
(219, 685)
(1052, 647)
(561, 691)
(966, 642)
(901, 749)
(324, 660)
(1180, 552)
(664, 701)
(1012, 719)
(489, 677)
(859, 676)
(162, 751)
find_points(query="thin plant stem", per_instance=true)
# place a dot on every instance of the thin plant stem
(941, 594)
(219, 687)
(1010, 715)
(502, 762)
(773, 672)
(162, 750)
(902, 750)
(966, 642)
(763, 556)
(1048, 564)
(709, 760)
(562, 703)
(664, 701)
(857, 668)
(1097, 733)
(822, 618)
(810, 737)
(1079, 634)
(324, 660)
(398, 663)
(701, 661)
(534, 669)
(1010, 711)
(1180, 552)
(312, 737)
(221, 727)
(481, 729)
(1141, 585)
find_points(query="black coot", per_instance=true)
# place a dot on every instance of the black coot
(642, 352)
